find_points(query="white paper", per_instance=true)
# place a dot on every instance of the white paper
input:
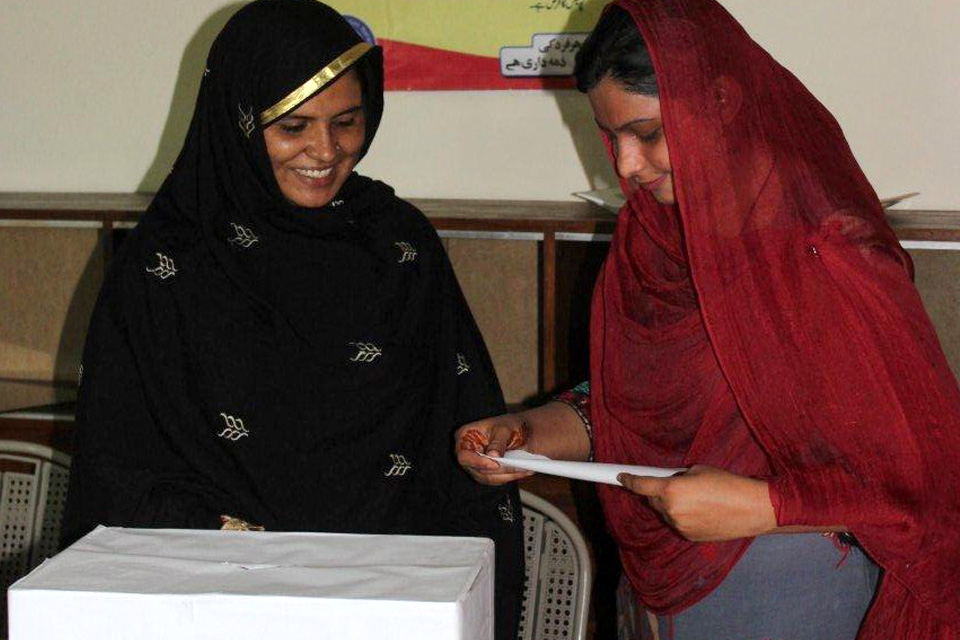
(886, 203)
(610, 199)
(589, 471)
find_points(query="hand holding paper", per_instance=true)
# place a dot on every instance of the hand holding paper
(480, 444)
(707, 503)
(589, 471)
(553, 429)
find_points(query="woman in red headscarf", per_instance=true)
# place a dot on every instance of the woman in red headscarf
(755, 321)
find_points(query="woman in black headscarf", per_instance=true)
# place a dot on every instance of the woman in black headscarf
(281, 341)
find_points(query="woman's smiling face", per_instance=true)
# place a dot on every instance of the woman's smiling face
(633, 125)
(314, 148)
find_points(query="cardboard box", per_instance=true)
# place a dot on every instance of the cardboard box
(173, 584)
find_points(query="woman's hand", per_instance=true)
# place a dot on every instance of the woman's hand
(492, 437)
(553, 429)
(230, 523)
(708, 504)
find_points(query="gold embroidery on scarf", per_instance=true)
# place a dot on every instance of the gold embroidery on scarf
(317, 82)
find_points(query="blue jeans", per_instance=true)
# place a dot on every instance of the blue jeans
(785, 587)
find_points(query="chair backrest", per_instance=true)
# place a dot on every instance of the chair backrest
(33, 490)
(556, 593)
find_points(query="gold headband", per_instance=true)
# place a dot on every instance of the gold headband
(317, 82)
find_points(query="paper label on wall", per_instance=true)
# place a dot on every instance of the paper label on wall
(474, 44)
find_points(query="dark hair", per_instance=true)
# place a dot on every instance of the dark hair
(615, 46)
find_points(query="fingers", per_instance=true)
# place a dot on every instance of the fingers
(497, 479)
(499, 442)
(487, 471)
(490, 437)
(643, 485)
(653, 490)
(470, 444)
(470, 438)
(472, 460)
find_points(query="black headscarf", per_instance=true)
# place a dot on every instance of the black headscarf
(302, 369)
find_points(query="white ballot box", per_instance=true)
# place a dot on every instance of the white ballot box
(174, 584)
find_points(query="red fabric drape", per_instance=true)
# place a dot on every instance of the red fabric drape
(768, 324)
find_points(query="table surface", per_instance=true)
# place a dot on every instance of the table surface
(446, 213)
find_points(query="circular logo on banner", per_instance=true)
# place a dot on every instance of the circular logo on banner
(361, 28)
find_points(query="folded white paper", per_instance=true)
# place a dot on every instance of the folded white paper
(610, 199)
(590, 471)
(148, 584)
(895, 200)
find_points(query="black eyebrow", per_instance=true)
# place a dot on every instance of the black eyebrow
(625, 125)
(359, 107)
(293, 116)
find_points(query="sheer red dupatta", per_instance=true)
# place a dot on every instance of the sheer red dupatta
(768, 324)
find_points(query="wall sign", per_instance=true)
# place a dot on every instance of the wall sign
(474, 44)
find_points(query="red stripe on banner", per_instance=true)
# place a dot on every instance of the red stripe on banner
(411, 67)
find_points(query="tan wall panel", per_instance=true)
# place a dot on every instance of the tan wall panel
(938, 280)
(49, 285)
(499, 280)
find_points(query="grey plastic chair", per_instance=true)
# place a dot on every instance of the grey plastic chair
(556, 593)
(33, 490)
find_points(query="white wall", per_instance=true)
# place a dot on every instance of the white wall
(95, 96)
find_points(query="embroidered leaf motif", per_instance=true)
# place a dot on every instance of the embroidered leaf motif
(165, 269)
(506, 510)
(462, 366)
(245, 237)
(234, 429)
(400, 466)
(247, 125)
(408, 252)
(366, 352)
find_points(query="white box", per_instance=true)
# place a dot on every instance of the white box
(172, 584)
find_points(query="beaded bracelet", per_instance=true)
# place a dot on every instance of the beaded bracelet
(578, 399)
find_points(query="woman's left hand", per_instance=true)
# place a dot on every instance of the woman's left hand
(707, 503)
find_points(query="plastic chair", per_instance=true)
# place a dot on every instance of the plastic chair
(33, 490)
(556, 592)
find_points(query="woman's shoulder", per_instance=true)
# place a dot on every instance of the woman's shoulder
(400, 213)
(413, 216)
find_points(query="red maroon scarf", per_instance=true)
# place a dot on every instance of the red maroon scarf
(768, 324)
